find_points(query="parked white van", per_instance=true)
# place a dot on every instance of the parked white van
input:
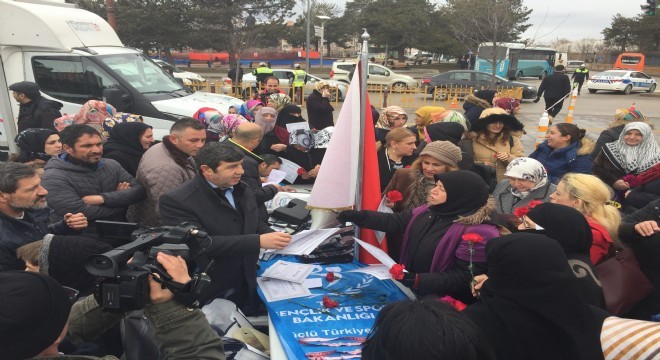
(75, 56)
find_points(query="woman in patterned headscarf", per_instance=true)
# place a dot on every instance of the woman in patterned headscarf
(622, 117)
(390, 118)
(629, 165)
(526, 180)
(301, 142)
(248, 109)
(94, 113)
(278, 101)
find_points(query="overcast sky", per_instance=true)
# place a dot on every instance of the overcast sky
(571, 19)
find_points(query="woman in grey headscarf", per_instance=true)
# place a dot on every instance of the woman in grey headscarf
(266, 117)
(526, 180)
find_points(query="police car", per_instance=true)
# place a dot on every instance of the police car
(625, 81)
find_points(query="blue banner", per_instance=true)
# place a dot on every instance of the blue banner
(308, 329)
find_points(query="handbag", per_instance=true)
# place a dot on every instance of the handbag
(623, 283)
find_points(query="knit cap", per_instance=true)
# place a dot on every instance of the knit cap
(33, 312)
(444, 151)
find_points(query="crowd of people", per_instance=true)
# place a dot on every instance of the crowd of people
(545, 223)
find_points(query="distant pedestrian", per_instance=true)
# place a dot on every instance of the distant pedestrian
(554, 88)
(34, 111)
(580, 76)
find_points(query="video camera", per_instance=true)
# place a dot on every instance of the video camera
(125, 286)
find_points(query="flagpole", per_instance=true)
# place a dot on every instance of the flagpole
(364, 66)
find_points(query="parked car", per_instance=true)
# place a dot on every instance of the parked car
(378, 75)
(573, 65)
(187, 77)
(475, 79)
(395, 64)
(624, 81)
(249, 81)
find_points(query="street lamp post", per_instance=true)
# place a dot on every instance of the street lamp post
(307, 15)
(323, 20)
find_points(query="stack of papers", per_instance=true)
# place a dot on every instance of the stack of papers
(304, 242)
(286, 280)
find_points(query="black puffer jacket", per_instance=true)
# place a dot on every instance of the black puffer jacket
(473, 107)
(38, 113)
(67, 183)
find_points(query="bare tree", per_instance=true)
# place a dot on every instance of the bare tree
(494, 21)
(586, 47)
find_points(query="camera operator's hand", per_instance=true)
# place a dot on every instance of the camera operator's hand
(274, 240)
(176, 267)
(76, 221)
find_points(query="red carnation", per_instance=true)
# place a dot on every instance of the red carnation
(521, 211)
(329, 303)
(534, 203)
(330, 276)
(472, 237)
(458, 305)
(300, 171)
(394, 196)
(397, 271)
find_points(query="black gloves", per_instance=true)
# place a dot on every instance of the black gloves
(356, 217)
(536, 100)
(409, 280)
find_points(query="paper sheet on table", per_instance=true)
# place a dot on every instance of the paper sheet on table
(379, 254)
(304, 242)
(295, 126)
(289, 271)
(385, 210)
(291, 170)
(275, 290)
(381, 272)
(313, 283)
(275, 177)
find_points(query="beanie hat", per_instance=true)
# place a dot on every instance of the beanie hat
(63, 258)
(444, 151)
(486, 94)
(33, 312)
(492, 115)
(28, 88)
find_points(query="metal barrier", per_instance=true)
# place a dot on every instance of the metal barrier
(445, 96)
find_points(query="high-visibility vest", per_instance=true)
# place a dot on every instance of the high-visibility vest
(299, 78)
(582, 71)
(264, 70)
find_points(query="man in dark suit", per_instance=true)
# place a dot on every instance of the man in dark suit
(218, 202)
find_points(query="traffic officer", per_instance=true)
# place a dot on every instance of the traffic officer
(261, 73)
(298, 79)
(580, 75)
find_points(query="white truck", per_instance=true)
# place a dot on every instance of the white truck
(75, 56)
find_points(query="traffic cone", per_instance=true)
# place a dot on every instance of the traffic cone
(454, 103)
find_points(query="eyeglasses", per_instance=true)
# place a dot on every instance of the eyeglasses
(71, 293)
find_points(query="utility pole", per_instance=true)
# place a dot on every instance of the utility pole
(309, 11)
(110, 10)
(322, 47)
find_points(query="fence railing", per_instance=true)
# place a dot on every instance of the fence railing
(380, 95)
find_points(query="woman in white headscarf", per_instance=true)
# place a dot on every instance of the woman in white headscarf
(526, 181)
(630, 165)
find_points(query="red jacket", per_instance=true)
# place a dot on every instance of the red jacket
(602, 242)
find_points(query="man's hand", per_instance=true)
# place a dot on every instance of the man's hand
(278, 147)
(274, 240)
(314, 171)
(93, 200)
(647, 228)
(621, 185)
(123, 186)
(76, 221)
(288, 189)
(176, 267)
(536, 100)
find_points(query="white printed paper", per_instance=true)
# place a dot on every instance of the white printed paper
(275, 177)
(313, 283)
(381, 272)
(292, 127)
(304, 242)
(275, 290)
(289, 271)
(379, 254)
(291, 170)
(386, 210)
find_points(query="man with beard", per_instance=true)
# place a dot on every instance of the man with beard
(80, 180)
(24, 214)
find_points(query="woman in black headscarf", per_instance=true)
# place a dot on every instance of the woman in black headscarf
(571, 230)
(432, 250)
(531, 306)
(127, 143)
(37, 145)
